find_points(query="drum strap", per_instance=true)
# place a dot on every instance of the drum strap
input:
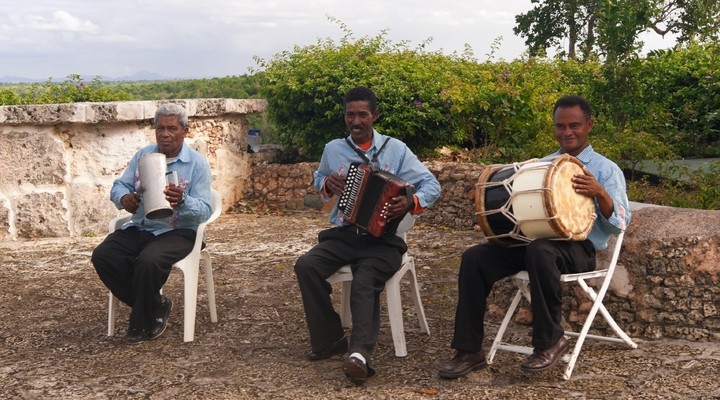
(363, 156)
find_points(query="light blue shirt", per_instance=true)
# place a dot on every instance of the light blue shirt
(395, 158)
(611, 177)
(193, 175)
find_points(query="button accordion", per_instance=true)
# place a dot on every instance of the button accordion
(367, 195)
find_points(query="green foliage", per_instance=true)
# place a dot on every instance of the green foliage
(73, 90)
(232, 87)
(304, 89)
(680, 186)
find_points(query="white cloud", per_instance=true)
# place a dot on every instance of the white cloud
(60, 21)
(192, 38)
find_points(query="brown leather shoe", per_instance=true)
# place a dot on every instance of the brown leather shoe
(338, 347)
(542, 359)
(462, 364)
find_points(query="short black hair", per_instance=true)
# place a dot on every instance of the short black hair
(572, 101)
(361, 93)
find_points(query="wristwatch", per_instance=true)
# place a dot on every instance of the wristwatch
(182, 200)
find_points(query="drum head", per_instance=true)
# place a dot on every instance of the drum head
(575, 213)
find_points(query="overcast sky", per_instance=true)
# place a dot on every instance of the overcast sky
(40, 39)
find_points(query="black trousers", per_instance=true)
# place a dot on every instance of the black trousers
(373, 261)
(135, 265)
(483, 265)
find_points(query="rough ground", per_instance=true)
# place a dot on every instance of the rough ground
(53, 341)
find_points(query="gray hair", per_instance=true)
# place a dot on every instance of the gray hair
(172, 110)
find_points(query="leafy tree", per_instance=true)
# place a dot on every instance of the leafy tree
(611, 27)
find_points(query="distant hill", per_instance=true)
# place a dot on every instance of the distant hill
(136, 77)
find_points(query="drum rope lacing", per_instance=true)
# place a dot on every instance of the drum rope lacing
(515, 233)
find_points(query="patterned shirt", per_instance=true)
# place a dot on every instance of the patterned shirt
(194, 176)
(611, 177)
(395, 158)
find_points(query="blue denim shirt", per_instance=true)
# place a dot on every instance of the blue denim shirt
(611, 177)
(395, 158)
(193, 175)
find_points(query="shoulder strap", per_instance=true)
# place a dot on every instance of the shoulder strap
(363, 156)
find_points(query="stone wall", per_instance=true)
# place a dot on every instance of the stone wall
(59, 160)
(291, 186)
(665, 285)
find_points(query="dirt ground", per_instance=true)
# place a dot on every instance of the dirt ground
(53, 341)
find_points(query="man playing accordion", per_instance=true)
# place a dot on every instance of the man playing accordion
(373, 259)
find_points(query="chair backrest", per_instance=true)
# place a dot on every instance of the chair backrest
(215, 205)
(405, 224)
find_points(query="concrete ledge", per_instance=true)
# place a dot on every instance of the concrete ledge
(49, 114)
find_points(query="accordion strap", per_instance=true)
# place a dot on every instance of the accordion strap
(363, 156)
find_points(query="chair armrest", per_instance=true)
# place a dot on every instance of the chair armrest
(118, 221)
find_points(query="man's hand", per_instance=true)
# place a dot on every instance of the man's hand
(130, 202)
(399, 207)
(335, 184)
(587, 185)
(174, 195)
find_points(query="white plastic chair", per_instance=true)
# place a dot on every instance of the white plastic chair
(581, 279)
(392, 292)
(190, 266)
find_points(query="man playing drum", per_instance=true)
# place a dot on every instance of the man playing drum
(134, 262)
(545, 259)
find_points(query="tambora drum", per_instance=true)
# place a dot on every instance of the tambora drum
(518, 203)
(152, 169)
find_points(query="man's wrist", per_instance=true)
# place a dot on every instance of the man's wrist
(182, 200)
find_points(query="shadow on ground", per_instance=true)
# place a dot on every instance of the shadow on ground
(54, 343)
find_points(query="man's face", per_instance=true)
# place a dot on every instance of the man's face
(359, 119)
(571, 129)
(169, 135)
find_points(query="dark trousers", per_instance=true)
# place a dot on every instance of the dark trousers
(135, 265)
(483, 265)
(373, 261)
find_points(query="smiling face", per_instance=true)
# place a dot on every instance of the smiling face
(359, 119)
(572, 128)
(169, 135)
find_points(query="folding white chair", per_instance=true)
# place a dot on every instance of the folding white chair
(190, 266)
(522, 281)
(392, 292)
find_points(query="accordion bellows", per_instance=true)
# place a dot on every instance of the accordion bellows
(367, 196)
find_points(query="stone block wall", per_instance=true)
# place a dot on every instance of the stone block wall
(59, 160)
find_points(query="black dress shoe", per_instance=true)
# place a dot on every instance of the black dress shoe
(338, 347)
(160, 322)
(356, 370)
(542, 359)
(462, 364)
(135, 335)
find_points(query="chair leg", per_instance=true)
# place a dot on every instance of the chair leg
(345, 312)
(597, 306)
(394, 305)
(501, 330)
(209, 282)
(111, 314)
(191, 288)
(414, 287)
